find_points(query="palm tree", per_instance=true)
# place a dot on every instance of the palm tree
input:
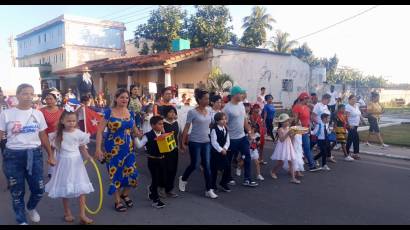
(255, 27)
(218, 81)
(281, 44)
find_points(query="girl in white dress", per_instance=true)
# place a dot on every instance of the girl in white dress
(298, 162)
(70, 178)
(284, 150)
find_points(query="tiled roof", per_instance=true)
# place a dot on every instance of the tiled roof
(143, 61)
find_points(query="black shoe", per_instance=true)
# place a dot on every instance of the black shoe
(158, 204)
(225, 188)
(49, 176)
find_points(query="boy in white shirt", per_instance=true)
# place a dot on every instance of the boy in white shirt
(322, 131)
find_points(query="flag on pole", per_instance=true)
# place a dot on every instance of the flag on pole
(91, 120)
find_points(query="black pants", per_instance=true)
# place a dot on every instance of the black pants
(219, 162)
(324, 146)
(167, 181)
(156, 168)
(269, 127)
(353, 138)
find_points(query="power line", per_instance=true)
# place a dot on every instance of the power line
(138, 19)
(116, 12)
(337, 23)
(132, 13)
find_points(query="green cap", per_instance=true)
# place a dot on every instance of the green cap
(237, 90)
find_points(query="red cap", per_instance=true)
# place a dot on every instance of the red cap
(303, 96)
(256, 106)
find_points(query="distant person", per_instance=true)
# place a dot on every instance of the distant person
(374, 111)
(353, 118)
(261, 97)
(333, 96)
(166, 96)
(268, 114)
(70, 94)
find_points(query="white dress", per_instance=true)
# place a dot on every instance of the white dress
(69, 178)
(284, 151)
(298, 162)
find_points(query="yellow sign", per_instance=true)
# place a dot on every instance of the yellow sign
(166, 142)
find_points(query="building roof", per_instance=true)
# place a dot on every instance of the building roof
(134, 63)
(73, 18)
(253, 50)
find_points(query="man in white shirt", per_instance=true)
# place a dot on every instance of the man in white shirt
(333, 96)
(22, 158)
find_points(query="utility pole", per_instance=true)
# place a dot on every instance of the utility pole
(13, 58)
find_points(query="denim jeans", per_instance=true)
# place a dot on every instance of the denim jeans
(17, 170)
(240, 145)
(199, 151)
(307, 150)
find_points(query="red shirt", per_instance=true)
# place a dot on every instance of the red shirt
(51, 119)
(303, 112)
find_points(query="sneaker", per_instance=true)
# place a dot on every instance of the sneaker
(232, 182)
(325, 167)
(260, 177)
(211, 194)
(182, 184)
(368, 144)
(225, 188)
(314, 169)
(262, 162)
(349, 158)
(34, 216)
(24, 223)
(317, 164)
(158, 204)
(385, 146)
(172, 194)
(238, 171)
(332, 159)
(249, 183)
(161, 192)
(295, 181)
(337, 147)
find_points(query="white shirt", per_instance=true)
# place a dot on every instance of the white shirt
(361, 102)
(22, 127)
(212, 112)
(322, 131)
(214, 138)
(141, 143)
(353, 118)
(146, 126)
(319, 109)
(333, 97)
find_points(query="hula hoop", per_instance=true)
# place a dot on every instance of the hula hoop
(101, 190)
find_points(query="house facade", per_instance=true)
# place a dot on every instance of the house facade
(283, 75)
(69, 41)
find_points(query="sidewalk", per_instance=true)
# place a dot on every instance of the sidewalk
(390, 152)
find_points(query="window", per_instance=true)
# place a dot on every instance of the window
(61, 57)
(188, 85)
(39, 39)
(48, 60)
(287, 85)
(45, 37)
(39, 61)
(55, 58)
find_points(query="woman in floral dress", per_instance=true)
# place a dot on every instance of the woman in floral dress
(118, 143)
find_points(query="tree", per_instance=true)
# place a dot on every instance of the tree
(280, 42)
(163, 26)
(218, 81)
(305, 54)
(209, 26)
(331, 67)
(233, 40)
(255, 27)
(145, 49)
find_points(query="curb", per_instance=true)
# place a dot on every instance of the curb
(386, 155)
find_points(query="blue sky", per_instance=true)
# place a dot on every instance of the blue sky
(367, 42)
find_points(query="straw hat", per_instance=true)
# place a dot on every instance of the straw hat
(282, 118)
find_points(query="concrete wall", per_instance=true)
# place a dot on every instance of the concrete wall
(35, 43)
(93, 35)
(253, 70)
(191, 72)
(132, 51)
(56, 58)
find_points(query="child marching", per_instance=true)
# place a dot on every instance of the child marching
(70, 178)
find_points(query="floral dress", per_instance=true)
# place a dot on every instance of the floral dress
(120, 158)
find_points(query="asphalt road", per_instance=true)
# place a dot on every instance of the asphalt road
(374, 190)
